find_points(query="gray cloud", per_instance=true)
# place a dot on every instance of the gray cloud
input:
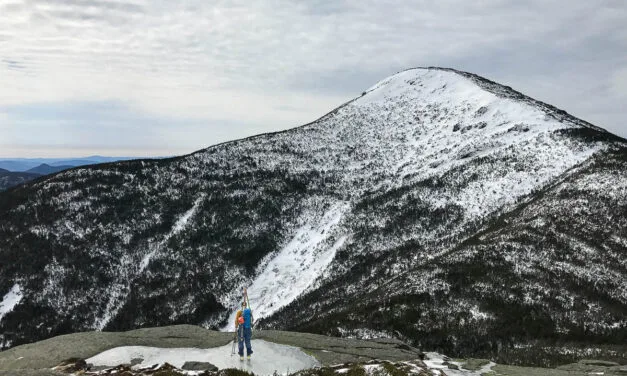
(13, 65)
(271, 64)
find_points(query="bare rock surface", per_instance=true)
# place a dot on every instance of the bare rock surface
(327, 350)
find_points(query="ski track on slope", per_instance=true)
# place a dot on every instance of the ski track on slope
(295, 267)
(119, 291)
(10, 300)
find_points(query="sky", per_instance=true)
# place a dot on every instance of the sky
(163, 77)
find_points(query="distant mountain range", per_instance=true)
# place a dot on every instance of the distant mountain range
(25, 164)
(15, 171)
(46, 169)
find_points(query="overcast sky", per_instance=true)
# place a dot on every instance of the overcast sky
(166, 77)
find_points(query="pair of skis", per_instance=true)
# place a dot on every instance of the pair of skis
(238, 335)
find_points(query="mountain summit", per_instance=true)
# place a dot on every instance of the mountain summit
(438, 207)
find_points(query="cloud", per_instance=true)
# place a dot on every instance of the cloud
(271, 64)
(619, 83)
(107, 124)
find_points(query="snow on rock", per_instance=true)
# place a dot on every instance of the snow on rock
(438, 361)
(296, 266)
(267, 357)
(10, 300)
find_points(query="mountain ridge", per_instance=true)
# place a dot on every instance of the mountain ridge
(46, 169)
(9, 179)
(476, 78)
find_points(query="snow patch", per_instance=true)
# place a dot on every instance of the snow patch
(179, 226)
(363, 333)
(10, 300)
(267, 358)
(182, 221)
(436, 361)
(117, 295)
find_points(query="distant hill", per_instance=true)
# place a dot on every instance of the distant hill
(10, 179)
(75, 162)
(46, 169)
(15, 165)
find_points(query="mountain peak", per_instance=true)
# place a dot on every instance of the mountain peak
(438, 85)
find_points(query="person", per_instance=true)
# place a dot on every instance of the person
(243, 326)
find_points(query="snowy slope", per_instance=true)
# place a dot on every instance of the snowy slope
(311, 219)
(296, 266)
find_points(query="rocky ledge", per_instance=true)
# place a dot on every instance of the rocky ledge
(75, 354)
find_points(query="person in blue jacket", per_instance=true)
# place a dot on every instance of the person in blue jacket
(244, 325)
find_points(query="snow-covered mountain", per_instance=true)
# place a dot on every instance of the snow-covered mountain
(438, 206)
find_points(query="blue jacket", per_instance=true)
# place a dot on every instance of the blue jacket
(248, 318)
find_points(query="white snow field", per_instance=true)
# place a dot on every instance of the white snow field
(267, 358)
(296, 266)
(10, 300)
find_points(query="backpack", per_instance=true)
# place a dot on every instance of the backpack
(248, 318)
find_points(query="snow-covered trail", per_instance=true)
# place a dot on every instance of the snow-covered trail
(296, 266)
(267, 357)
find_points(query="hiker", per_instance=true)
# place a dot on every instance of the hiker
(243, 326)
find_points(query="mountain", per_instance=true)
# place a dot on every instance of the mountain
(95, 159)
(74, 162)
(45, 169)
(10, 179)
(439, 207)
(16, 166)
